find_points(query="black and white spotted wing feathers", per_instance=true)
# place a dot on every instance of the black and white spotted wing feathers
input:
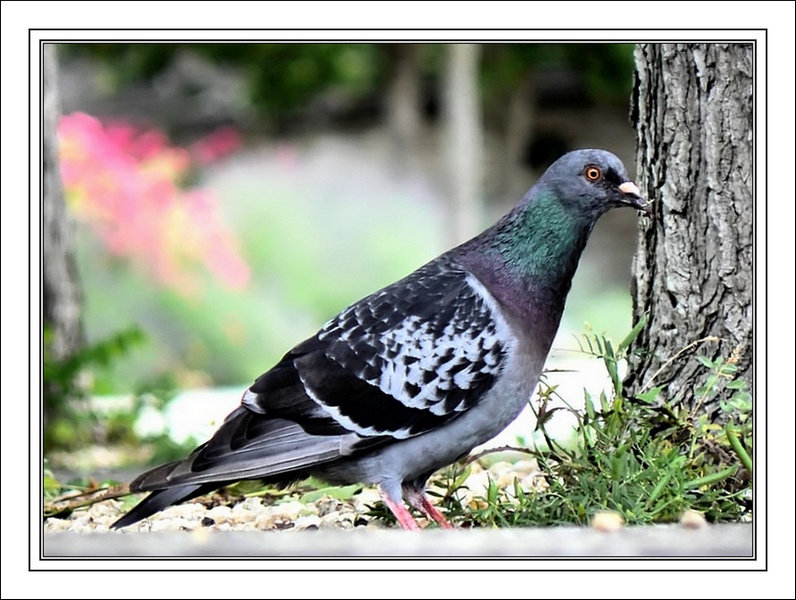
(401, 361)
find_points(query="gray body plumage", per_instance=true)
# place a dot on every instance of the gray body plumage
(412, 377)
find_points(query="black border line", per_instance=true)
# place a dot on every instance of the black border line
(201, 559)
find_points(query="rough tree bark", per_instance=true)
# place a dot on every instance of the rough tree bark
(693, 273)
(60, 285)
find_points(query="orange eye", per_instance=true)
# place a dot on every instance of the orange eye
(593, 173)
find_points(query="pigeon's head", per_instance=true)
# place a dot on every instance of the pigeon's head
(592, 182)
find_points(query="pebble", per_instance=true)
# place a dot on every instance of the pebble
(607, 520)
(693, 519)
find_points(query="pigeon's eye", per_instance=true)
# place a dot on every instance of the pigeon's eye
(593, 173)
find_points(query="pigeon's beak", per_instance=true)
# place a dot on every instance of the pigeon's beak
(632, 196)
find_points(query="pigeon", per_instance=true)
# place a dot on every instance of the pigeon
(414, 376)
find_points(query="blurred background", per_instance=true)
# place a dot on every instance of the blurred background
(228, 199)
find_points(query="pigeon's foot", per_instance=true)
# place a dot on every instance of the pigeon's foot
(404, 517)
(419, 500)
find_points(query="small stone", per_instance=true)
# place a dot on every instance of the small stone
(292, 509)
(535, 482)
(501, 468)
(280, 524)
(190, 510)
(264, 520)
(526, 467)
(220, 514)
(248, 506)
(368, 495)
(327, 505)
(607, 520)
(506, 480)
(308, 522)
(207, 522)
(693, 519)
(174, 524)
(53, 524)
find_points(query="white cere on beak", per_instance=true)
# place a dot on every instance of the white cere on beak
(628, 187)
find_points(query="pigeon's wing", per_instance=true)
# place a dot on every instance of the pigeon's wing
(402, 361)
(396, 364)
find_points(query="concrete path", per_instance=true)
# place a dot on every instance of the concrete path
(720, 541)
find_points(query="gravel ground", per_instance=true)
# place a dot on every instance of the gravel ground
(251, 514)
(290, 512)
(329, 527)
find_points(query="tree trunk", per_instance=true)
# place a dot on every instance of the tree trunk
(61, 295)
(463, 139)
(693, 114)
(404, 118)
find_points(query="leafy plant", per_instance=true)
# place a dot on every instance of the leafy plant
(67, 383)
(72, 421)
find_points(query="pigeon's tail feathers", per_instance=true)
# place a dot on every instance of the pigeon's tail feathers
(157, 501)
(248, 446)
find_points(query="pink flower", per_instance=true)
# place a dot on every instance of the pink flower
(124, 183)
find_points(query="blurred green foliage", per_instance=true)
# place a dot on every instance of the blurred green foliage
(77, 411)
(606, 69)
(284, 78)
(281, 78)
(69, 381)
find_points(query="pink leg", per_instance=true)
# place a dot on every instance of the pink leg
(420, 501)
(405, 518)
